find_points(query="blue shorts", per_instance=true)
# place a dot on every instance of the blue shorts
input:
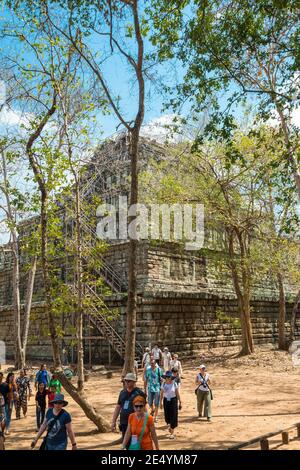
(153, 397)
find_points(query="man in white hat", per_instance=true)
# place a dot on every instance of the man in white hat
(124, 406)
(146, 358)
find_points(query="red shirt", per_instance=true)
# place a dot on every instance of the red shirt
(51, 396)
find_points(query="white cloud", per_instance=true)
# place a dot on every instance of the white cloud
(166, 128)
(296, 117)
(11, 118)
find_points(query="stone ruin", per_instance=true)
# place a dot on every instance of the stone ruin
(183, 301)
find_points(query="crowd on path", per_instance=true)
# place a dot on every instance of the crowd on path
(50, 415)
(136, 412)
(137, 409)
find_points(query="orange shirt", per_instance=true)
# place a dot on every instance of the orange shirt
(136, 426)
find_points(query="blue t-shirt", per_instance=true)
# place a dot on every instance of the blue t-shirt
(42, 377)
(125, 401)
(153, 378)
(58, 432)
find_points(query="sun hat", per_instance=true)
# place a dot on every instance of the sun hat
(59, 398)
(130, 376)
(166, 349)
(168, 375)
(202, 366)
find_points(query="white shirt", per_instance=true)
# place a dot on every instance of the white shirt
(202, 387)
(169, 390)
(146, 359)
(156, 353)
(166, 360)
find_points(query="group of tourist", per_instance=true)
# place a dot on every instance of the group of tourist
(137, 408)
(13, 393)
(162, 374)
(16, 392)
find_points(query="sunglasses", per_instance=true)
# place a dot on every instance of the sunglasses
(139, 406)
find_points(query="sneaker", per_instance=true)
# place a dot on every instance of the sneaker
(209, 420)
(171, 436)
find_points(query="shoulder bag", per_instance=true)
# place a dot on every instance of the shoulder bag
(43, 445)
(137, 445)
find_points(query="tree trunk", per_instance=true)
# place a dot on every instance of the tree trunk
(101, 424)
(247, 335)
(19, 359)
(16, 267)
(28, 303)
(282, 343)
(79, 319)
(293, 317)
(46, 279)
(88, 409)
(132, 264)
(243, 299)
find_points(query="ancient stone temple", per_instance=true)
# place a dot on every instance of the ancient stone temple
(183, 300)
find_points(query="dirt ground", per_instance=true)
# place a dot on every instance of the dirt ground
(252, 396)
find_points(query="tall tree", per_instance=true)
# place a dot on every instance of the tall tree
(119, 25)
(233, 50)
(230, 180)
(44, 139)
(15, 208)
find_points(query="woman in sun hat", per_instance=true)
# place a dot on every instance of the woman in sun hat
(203, 392)
(140, 430)
(58, 422)
(169, 399)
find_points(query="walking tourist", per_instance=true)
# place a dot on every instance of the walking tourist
(58, 423)
(3, 395)
(169, 400)
(51, 395)
(124, 406)
(40, 401)
(146, 358)
(176, 376)
(204, 394)
(157, 354)
(152, 384)
(24, 393)
(42, 376)
(175, 363)
(2, 419)
(10, 399)
(140, 430)
(136, 368)
(55, 382)
(166, 358)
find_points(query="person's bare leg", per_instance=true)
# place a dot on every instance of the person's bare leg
(155, 414)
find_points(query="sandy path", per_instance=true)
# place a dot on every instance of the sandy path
(252, 396)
